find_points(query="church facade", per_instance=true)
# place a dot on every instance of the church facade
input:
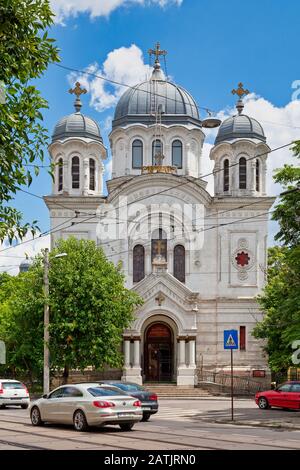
(197, 260)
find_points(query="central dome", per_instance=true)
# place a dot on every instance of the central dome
(138, 104)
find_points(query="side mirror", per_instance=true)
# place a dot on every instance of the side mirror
(45, 396)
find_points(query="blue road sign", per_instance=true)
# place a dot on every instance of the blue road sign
(231, 339)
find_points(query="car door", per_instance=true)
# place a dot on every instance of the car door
(51, 406)
(71, 398)
(294, 396)
(281, 396)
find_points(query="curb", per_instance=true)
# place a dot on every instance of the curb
(258, 424)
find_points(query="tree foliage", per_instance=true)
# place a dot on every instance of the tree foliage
(280, 300)
(89, 310)
(25, 52)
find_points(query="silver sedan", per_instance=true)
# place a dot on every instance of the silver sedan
(85, 405)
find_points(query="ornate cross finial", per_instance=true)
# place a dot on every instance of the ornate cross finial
(160, 299)
(157, 52)
(240, 91)
(77, 91)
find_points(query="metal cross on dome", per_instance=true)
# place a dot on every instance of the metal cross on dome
(242, 259)
(157, 52)
(77, 90)
(240, 91)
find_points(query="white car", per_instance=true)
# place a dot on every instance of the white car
(13, 392)
(85, 405)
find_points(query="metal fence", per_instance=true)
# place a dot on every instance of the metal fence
(241, 385)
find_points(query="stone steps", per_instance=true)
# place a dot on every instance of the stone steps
(174, 391)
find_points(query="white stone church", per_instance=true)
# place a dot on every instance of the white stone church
(197, 260)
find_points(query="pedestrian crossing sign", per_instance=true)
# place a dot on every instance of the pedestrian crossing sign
(231, 340)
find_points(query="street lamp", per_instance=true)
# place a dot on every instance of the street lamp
(46, 381)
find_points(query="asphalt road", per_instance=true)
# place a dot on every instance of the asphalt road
(179, 424)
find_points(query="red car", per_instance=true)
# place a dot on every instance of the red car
(287, 395)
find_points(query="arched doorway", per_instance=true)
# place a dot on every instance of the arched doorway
(158, 353)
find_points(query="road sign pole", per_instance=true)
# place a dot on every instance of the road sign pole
(231, 363)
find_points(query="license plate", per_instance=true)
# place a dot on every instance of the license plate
(125, 415)
(146, 408)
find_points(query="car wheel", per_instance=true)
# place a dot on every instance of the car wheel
(24, 407)
(80, 422)
(126, 426)
(146, 416)
(35, 417)
(263, 403)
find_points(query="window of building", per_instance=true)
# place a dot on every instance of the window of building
(92, 174)
(226, 175)
(257, 175)
(242, 338)
(159, 244)
(60, 174)
(157, 151)
(179, 263)
(177, 154)
(137, 154)
(243, 173)
(138, 263)
(75, 173)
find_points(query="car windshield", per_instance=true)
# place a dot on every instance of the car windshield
(129, 387)
(12, 385)
(103, 392)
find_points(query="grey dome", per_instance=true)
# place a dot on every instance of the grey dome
(25, 265)
(137, 104)
(76, 125)
(240, 127)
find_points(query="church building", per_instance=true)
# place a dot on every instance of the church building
(198, 260)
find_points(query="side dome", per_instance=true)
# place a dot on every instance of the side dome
(76, 125)
(240, 127)
(138, 104)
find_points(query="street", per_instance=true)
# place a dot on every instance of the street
(179, 424)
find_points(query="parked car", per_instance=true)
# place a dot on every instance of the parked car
(286, 395)
(148, 399)
(13, 392)
(85, 405)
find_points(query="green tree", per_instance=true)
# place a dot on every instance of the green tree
(90, 307)
(280, 300)
(25, 52)
(21, 322)
(89, 310)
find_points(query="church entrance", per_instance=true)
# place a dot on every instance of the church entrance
(158, 353)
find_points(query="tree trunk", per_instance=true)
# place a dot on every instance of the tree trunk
(66, 374)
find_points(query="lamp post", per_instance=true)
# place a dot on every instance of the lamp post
(46, 380)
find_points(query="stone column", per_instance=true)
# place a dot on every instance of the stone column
(192, 352)
(253, 177)
(127, 353)
(136, 353)
(86, 176)
(182, 352)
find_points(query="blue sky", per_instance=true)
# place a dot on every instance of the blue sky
(211, 47)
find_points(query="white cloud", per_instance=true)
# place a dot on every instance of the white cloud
(123, 65)
(95, 8)
(11, 259)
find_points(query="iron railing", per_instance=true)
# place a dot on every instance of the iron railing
(222, 380)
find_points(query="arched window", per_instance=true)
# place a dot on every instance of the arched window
(179, 263)
(257, 175)
(226, 175)
(177, 154)
(60, 174)
(242, 173)
(138, 263)
(157, 151)
(92, 174)
(137, 154)
(75, 173)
